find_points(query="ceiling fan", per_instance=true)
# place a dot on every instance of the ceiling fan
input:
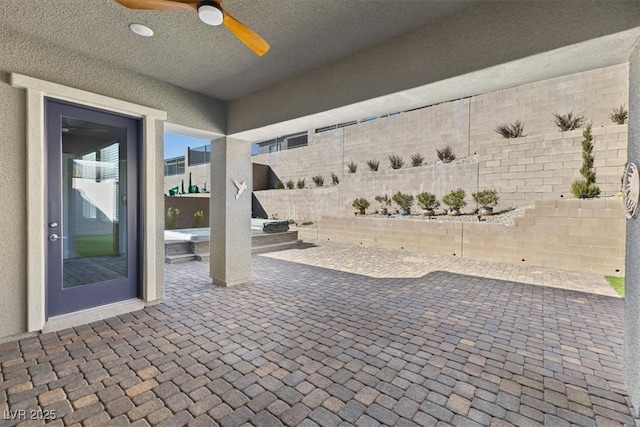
(210, 12)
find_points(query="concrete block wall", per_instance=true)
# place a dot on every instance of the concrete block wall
(577, 235)
(592, 93)
(540, 166)
(308, 204)
(438, 179)
(311, 203)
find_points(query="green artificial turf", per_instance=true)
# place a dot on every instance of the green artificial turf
(98, 245)
(617, 283)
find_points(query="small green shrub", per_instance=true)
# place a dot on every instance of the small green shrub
(384, 201)
(318, 180)
(300, 184)
(198, 219)
(352, 167)
(581, 189)
(361, 204)
(278, 185)
(428, 200)
(396, 161)
(417, 160)
(290, 185)
(373, 165)
(619, 115)
(446, 154)
(404, 201)
(486, 198)
(566, 122)
(455, 199)
(172, 217)
(513, 130)
(586, 188)
(306, 223)
(334, 179)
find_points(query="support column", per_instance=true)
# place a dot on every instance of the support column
(230, 212)
(631, 370)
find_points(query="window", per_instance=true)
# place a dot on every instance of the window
(174, 166)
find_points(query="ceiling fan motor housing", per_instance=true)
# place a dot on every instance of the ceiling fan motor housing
(210, 12)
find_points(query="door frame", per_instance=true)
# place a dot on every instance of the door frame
(54, 108)
(151, 197)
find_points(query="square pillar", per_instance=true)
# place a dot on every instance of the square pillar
(230, 212)
(631, 361)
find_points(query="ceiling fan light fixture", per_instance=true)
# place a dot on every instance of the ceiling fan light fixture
(141, 30)
(210, 12)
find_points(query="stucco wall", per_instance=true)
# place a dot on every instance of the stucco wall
(45, 61)
(631, 369)
(187, 205)
(579, 235)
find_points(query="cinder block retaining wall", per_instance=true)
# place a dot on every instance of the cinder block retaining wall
(540, 166)
(523, 170)
(577, 235)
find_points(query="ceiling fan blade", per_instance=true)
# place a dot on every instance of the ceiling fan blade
(245, 34)
(157, 4)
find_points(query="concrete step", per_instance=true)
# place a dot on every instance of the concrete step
(270, 239)
(291, 244)
(203, 257)
(177, 248)
(175, 259)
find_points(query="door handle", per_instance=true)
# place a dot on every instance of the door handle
(54, 237)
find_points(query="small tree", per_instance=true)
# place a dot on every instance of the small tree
(361, 204)
(404, 201)
(384, 201)
(318, 180)
(300, 184)
(428, 201)
(198, 219)
(290, 185)
(586, 188)
(455, 199)
(172, 218)
(334, 179)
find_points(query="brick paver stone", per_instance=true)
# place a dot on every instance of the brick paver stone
(338, 335)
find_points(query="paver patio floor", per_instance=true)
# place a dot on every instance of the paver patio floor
(405, 344)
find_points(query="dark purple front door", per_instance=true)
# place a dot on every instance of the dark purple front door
(92, 208)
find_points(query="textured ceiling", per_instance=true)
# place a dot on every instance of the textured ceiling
(303, 34)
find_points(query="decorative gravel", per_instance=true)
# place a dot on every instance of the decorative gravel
(504, 217)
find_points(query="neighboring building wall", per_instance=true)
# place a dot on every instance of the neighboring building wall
(200, 176)
(579, 235)
(467, 125)
(45, 61)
